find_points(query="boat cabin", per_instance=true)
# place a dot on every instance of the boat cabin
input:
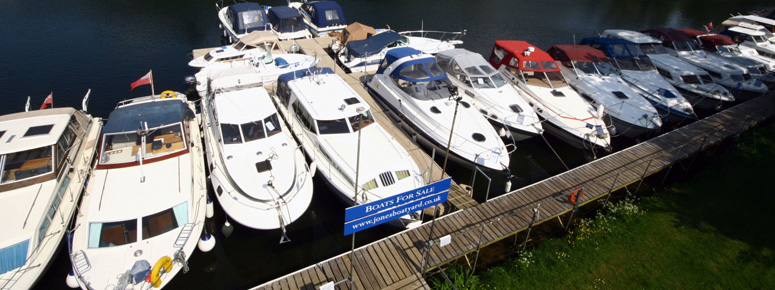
(246, 17)
(532, 65)
(356, 31)
(285, 19)
(583, 59)
(624, 54)
(420, 77)
(470, 68)
(751, 36)
(374, 45)
(324, 14)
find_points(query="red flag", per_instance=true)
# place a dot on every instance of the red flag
(48, 101)
(709, 26)
(145, 80)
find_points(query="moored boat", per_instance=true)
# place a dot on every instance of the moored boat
(287, 23)
(321, 17)
(239, 19)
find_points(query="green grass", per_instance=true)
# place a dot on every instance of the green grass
(713, 230)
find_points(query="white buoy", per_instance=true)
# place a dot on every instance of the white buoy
(206, 243)
(210, 211)
(71, 281)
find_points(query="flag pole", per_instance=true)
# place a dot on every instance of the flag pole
(152, 91)
(52, 99)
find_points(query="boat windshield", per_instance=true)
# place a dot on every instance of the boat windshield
(365, 119)
(690, 79)
(600, 67)
(653, 48)
(484, 77)
(125, 147)
(26, 164)
(111, 234)
(543, 79)
(253, 19)
(635, 63)
(337, 126)
(250, 131)
(737, 78)
(686, 46)
(759, 39)
(706, 79)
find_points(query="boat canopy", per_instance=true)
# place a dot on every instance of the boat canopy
(462, 58)
(668, 35)
(572, 52)
(713, 40)
(747, 31)
(356, 31)
(373, 45)
(155, 114)
(258, 37)
(289, 76)
(614, 47)
(692, 32)
(325, 13)
(523, 56)
(421, 69)
(286, 19)
(247, 17)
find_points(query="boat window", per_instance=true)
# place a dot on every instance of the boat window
(664, 73)
(26, 164)
(284, 92)
(714, 74)
(63, 145)
(605, 68)
(434, 68)
(337, 126)
(2, 133)
(585, 67)
(645, 63)
(239, 45)
(112, 234)
(252, 19)
(371, 184)
(304, 117)
(497, 55)
(737, 78)
(208, 57)
(627, 63)
(253, 130)
(165, 221)
(368, 119)
(531, 65)
(415, 71)
(549, 65)
(653, 48)
(38, 130)
(231, 134)
(634, 49)
(487, 69)
(272, 124)
(13, 256)
(498, 80)
(690, 79)
(682, 46)
(125, 146)
(332, 15)
(619, 50)
(706, 79)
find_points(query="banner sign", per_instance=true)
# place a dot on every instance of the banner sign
(394, 213)
(373, 207)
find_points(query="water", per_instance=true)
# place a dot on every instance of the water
(70, 46)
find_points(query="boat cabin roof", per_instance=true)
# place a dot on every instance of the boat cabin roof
(243, 106)
(325, 13)
(573, 52)
(325, 95)
(372, 45)
(755, 18)
(155, 113)
(247, 17)
(521, 51)
(668, 35)
(748, 31)
(258, 37)
(614, 47)
(34, 129)
(633, 36)
(356, 31)
(464, 59)
(692, 32)
(286, 19)
(713, 40)
(419, 67)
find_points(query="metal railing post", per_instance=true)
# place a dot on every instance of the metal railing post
(611, 189)
(644, 174)
(536, 214)
(575, 206)
(478, 248)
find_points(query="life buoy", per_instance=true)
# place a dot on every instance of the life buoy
(168, 94)
(573, 197)
(155, 277)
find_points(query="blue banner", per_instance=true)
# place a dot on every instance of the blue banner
(427, 200)
(373, 207)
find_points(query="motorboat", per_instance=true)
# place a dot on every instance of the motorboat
(321, 17)
(366, 55)
(287, 23)
(759, 67)
(753, 36)
(354, 31)
(490, 93)
(46, 156)
(417, 92)
(143, 210)
(755, 22)
(239, 19)
(266, 59)
(636, 68)
(591, 73)
(728, 74)
(340, 135)
(565, 114)
(694, 83)
(257, 169)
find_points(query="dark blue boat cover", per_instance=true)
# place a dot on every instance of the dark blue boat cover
(421, 69)
(372, 45)
(286, 19)
(128, 118)
(289, 76)
(248, 17)
(325, 13)
(614, 47)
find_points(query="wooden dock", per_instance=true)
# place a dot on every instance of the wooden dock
(396, 262)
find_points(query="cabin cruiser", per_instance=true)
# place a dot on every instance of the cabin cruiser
(354, 31)
(636, 68)
(490, 93)
(239, 19)
(287, 23)
(257, 169)
(328, 118)
(693, 82)
(565, 113)
(46, 156)
(751, 35)
(755, 22)
(321, 17)
(759, 67)
(366, 55)
(416, 90)
(591, 73)
(726, 73)
(146, 198)
(266, 58)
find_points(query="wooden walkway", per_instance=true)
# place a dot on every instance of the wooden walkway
(396, 261)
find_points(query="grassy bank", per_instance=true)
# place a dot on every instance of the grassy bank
(711, 229)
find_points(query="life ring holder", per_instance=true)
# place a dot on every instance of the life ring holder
(155, 277)
(168, 94)
(576, 195)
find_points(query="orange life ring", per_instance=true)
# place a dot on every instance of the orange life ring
(573, 197)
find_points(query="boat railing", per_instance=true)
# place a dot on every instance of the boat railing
(448, 36)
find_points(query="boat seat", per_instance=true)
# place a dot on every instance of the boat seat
(417, 91)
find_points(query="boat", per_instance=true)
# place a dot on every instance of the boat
(759, 67)
(265, 58)
(144, 207)
(761, 24)
(753, 36)
(287, 23)
(565, 114)
(591, 74)
(728, 74)
(241, 18)
(354, 31)
(340, 135)
(257, 169)
(694, 83)
(46, 156)
(412, 86)
(321, 17)
(490, 93)
(636, 68)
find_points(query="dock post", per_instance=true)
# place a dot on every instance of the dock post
(698, 152)
(644, 175)
(611, 189)
(478, 247)
(575, 206)
(536, 214)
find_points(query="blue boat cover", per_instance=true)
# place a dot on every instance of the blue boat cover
(422, 69)
(157, 113)
(286, 19)
(372, 45)
(248, 17)
(325, 13)
(614, 47)
(289, 76)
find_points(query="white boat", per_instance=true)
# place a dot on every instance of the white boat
(565, 113)
(143, 210)
(591, 73)
(239, 19)
(287, 23)
(636, 68)
(257, 169)
(759, 67)
(46, 156)
(728, 74)
(325, 115)
(693, 82)
(257, 52)
(751, 35)
(321, 17)
(417, 91)
(365, 55)
(491, 93)
(758, 23)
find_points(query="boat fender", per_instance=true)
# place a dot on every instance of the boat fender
(313, 168)
(168, 94)
(206, 243)
(164, 263)
(576, 195)
(71, 281)
(210, 210)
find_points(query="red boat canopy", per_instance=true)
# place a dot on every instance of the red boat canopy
(521, 55)
(692, 32)
(711, 41)
(572, 52)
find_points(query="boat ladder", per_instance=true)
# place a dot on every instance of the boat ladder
(81, 262)
(183, 236)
